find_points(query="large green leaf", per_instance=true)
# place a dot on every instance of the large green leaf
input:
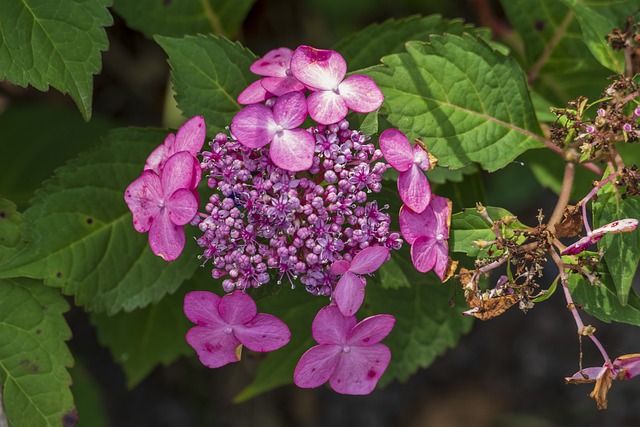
(180, 17)
(594, 28)
(469, 102)
(208, 75)
(147, 337)
(297, 308)
(25, 144)
(81, 236)
(558, 63)
(54, 43)
(602, 301)
(366, 47)
(621, 251)
(33, 355)
(426, 323)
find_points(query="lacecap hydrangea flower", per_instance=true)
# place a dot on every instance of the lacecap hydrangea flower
(291, 205)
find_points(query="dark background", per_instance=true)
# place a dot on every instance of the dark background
(506, 372)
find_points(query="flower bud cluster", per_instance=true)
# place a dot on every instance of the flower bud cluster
(263, 221)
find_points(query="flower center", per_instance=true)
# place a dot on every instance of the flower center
(346, 349)
(279, 128)
(439, 237)
(228, 330)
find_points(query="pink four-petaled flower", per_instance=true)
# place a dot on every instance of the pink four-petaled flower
(323, 71)
(413, 186)
(349, 291)
(225, 323)
(257, 125)
(427, 233)
(162, 203)
(348, 355)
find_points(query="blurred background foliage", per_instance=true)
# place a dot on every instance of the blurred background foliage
(508, 372)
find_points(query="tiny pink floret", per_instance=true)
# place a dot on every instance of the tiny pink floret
(348, 355)
(224, 323)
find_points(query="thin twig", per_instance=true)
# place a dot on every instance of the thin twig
(565, 193)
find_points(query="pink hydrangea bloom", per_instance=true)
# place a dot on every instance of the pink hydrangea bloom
(323, 71)
(349, 291)
(348, 355)
(278, 81)
(190, 138)
(162, 204)
(413, 186)
(224, 323)
(427, 233)
(257, 125)
(621, 226)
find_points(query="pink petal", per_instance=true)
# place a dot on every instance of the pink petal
(331, 327)
(160, 154)
(349, 293)
(360, 368)
(317, 68)
(441, 207)
(293, 150)
(143, 196)
(369, 259)
(424, 253)
(237, 308)
(371, 330)
(290, 110)
(441, 265)
(178, 173)
(326, 107)
(274, 63)
(589, 373)
(254, 93)
(621, 226)
(581, 245)
(191, 135)
(182, 206)
(264, 333)
(215, 347)
(414, 189)
(279, 85)
(414, 225)
(630, 363)
(396, 149)
(361, 93)
(201, 308)
(165, 238)
(340, 267)
(316, 365)
(254, 126)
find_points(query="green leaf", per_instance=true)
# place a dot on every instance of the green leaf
(558, 63)
(181, 17)
(468, 102)
(11, 230)
(147, 337)
(365, 48)
(468, 226)
(426, 324)
(208, 75)
(440, 175)
(621, 251)
(23, 126)
(602, 301)
(54, 42)
(81, 236)
(89, 398)
(33, 355)
(297, 308)
(547, 293)
(594, 29)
